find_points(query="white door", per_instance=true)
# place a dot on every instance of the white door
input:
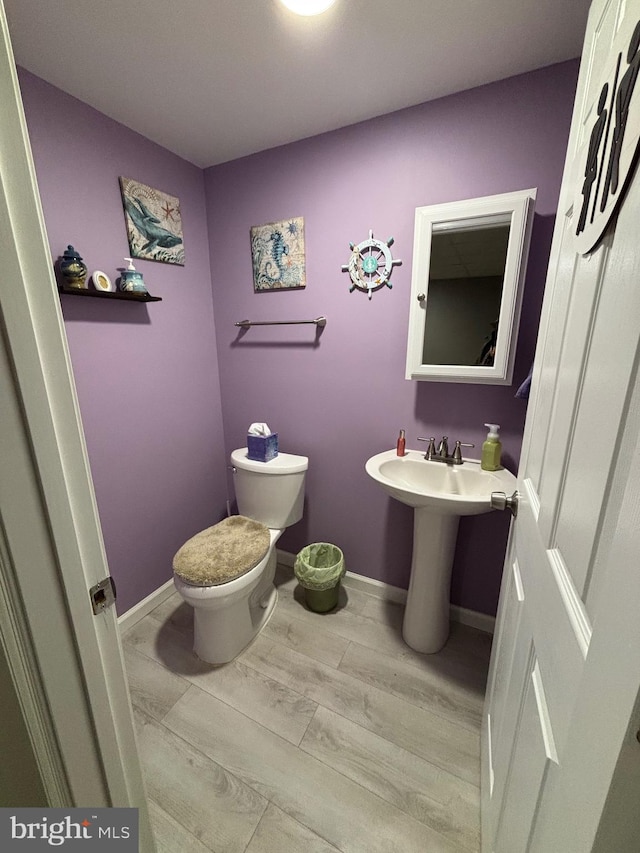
(562, 705)
(66, 663)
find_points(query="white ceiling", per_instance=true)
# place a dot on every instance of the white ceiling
(213, 80)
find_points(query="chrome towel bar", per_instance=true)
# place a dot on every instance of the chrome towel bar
(319, 321)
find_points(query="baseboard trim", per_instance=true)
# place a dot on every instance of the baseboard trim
(285, 558)
(388, 592)
(473, 618)
(385, 591)
(143, 608)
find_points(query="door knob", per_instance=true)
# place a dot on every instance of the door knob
(499, 500)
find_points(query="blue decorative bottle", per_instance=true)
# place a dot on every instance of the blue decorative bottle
(73, 269)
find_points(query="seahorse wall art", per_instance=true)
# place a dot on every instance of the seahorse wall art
(277, 254)
(154, 223)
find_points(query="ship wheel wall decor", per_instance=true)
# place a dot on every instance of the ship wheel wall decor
(370, 265)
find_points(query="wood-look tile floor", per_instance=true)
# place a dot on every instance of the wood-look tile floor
(326, 734)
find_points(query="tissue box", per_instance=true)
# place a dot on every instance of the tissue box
(262, 448)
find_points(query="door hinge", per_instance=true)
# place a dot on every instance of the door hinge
(103, 594)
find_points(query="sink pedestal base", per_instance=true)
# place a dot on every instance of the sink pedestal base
(426, 617)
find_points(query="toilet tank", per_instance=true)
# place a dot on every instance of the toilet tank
(270, 492)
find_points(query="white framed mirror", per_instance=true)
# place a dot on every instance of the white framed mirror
(469, 263)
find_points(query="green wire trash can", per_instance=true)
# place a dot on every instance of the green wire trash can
(318, 568)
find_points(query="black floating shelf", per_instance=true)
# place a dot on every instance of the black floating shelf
(110, 294)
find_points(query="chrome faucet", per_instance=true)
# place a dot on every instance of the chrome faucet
(442, 453)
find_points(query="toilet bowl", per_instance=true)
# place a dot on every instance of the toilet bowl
(229, 614)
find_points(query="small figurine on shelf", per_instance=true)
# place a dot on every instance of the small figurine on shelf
(73, 269)
(131, 280)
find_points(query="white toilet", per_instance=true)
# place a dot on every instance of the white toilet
(229, 613)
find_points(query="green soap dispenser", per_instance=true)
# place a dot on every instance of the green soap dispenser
(491, 449)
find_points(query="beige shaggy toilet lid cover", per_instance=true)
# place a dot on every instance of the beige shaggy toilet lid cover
(223, 552)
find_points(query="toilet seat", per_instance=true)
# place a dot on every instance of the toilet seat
(223, 552)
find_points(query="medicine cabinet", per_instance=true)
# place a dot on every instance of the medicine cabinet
(469, 263)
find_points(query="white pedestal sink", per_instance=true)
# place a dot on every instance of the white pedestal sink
(439, 494)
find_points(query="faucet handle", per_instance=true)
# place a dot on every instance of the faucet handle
(457, 453)
(431, 447)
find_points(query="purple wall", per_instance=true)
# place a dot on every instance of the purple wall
(153, 388)
(146, 374)
(342, 397)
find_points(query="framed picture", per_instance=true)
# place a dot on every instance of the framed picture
(277, 254)
(101, 281)
(154, 223)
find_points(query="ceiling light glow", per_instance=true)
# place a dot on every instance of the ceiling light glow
(308, 7)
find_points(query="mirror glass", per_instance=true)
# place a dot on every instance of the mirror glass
(466, 275)
(468, 267)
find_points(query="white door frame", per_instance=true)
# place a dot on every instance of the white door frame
(66, 663)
